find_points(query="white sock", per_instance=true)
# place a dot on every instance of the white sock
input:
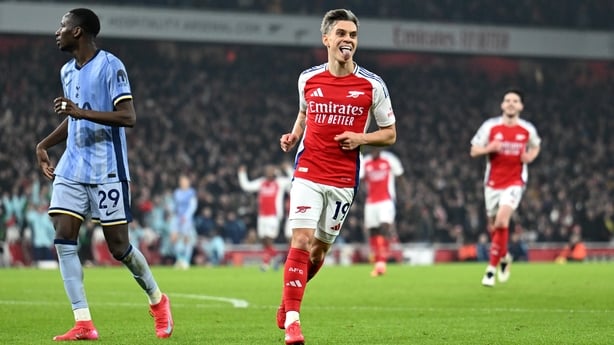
(155, 296)
(491, 268)
(82, 314)
(291, 316)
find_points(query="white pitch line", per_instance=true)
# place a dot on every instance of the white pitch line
(443, 309)
(237, 303)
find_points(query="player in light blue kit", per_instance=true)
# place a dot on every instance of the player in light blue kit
(92, 177)
(183, 232)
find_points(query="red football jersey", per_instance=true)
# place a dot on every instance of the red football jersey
(267, 198)
(334, 105)
(270, 193)
(380, 174)
(504, 168)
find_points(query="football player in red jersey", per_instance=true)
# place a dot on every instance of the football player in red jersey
(337, 99)
(509, 144)
(380, 170)
(271, 188)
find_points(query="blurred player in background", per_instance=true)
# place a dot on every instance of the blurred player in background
(380, 171)
(509, 144)
(92, 177)
(271, 188)
(336, 102)
(183, 231)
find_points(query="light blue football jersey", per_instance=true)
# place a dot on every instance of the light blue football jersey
(185, 202)
(95, 153)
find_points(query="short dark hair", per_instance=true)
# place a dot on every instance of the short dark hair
(333, 16)
(518, 92)
(87, 20)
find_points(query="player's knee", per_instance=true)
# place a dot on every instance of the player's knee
(118, 251)
(117, 255)
(300, 240)
(65, 228)
(501, 223)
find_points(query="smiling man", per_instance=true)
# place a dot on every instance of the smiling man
(337, 100)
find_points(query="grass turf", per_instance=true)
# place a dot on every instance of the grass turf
(440, 304)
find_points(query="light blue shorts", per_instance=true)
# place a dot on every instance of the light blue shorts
(108, 204)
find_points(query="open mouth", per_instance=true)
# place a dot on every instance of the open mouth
(346, 52)
(345, 49)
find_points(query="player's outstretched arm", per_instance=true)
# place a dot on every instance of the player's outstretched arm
(245, 183)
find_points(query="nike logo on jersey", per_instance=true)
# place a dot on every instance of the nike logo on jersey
(355, 94)
(111, 212)
(317, 93)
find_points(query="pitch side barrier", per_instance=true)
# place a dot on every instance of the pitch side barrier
(415, 254)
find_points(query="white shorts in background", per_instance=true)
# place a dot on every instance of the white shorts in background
(108, 204)
(288, 229)
(268, 226)
(320, 207)
(379, 213)
(493, 198)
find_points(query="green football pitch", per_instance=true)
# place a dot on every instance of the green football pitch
(440, 304)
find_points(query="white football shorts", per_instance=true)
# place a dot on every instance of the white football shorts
(378, 213)
(493, 198)
(319, 207)
(268, 226)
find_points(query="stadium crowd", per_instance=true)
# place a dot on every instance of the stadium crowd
(206, 109)
(581, 15)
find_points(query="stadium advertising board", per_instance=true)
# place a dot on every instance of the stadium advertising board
(285, 30)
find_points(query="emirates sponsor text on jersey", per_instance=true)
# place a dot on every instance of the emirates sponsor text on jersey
(510, 148)
(334, 113)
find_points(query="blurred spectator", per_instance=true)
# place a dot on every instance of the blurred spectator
(204, 222)
(43, 232)
(483, 248)
(136, 234)
(234, 229)
(15, 205)
(574, 251)
(214, 249)
(518, 248)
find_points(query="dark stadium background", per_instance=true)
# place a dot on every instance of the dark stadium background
(208, 107)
